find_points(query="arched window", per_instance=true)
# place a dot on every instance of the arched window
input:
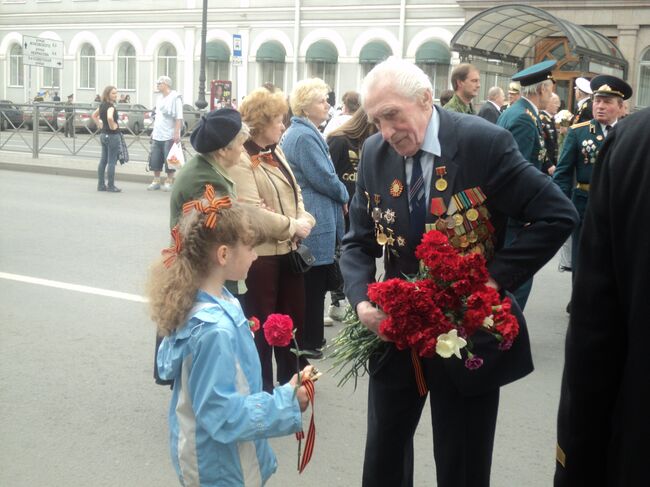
(643, 96)
(126, 67)
(433, 58)
(16, 65)
(322, 58)
(87, 66)
(372, 54)
(51, 78)
(217, 62)
(271, 62)
(167, 62)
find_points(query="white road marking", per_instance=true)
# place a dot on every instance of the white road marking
(74, 287)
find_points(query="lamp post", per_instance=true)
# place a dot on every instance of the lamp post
(201, 103)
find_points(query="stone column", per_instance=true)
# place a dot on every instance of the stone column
(627, 35)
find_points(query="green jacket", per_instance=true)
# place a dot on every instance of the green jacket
(525, 126)
(579, 152)
(457, 105)
(190, 184)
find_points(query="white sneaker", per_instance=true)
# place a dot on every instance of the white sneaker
(153, 186)
(337, 313)
(327, 321)
(167, 187)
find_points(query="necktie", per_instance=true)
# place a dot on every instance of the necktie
(607, 129)
(417, 205)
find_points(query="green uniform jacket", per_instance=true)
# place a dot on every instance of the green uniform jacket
(581, 147)
(190, 184)
(457, 105)
(523, 123)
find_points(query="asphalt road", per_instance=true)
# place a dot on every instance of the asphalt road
(79, 405)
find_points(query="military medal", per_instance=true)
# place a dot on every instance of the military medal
(390, 240)
(389, 216)
(472, 214)
(438, 207)
(599, 138)
(401, 241)
(441, 184)
(396, 188)
(368, 199)
(458, 219)
(382, 238)
(376, 211)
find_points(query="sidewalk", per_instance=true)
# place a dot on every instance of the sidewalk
(70, 166)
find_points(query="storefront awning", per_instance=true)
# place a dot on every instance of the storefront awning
(433, 52)
(323, 52)
(217, 51)
(509, 33)
(374, 52)
(271, 52)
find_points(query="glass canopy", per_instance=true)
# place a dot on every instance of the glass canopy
(510, 32)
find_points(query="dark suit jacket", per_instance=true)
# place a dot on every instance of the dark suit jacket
(475, 153)
(524, 125)
(603, 422)
(489, 112)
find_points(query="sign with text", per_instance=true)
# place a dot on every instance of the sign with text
(38, 51)
(236, 45)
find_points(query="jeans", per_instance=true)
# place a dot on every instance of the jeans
(110, 149)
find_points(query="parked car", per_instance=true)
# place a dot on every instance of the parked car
(131, 117)
(191, 117)
(47, 114)
(10, 115)
(83, 121)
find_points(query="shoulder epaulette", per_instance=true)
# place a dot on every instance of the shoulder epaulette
(578, 125)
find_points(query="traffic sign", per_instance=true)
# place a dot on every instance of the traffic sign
(236, 45)
(38, 51)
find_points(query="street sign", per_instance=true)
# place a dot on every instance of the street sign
(236, 61)
(236, 45)
(38, 51)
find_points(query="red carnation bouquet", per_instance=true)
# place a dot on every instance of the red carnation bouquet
(435, 313)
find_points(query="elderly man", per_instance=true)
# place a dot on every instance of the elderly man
(418, 146)
(583, 143)
(522, 120)
(549, 132)
(583, 93)
(466, 81)
(167, 123)
(491, 109)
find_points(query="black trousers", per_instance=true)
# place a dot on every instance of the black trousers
(463, 427)
(273, 288)
(315, 290)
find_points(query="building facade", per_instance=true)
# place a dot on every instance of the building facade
(129, 44)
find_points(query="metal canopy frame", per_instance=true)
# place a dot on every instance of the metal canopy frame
(509, 32)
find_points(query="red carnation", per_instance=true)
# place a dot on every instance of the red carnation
(278, 330)
(254, 323)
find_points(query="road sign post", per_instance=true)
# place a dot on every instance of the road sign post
(38, 51)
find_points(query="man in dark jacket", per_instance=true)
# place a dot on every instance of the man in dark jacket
(419, 146)
(491, 109)
(603, 421)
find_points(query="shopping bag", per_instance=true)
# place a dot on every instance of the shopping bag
(175, 158)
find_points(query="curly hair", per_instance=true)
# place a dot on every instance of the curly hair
(357, 128)
(172, 290)
(260, 107)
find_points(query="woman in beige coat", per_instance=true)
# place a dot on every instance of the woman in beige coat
(263, 177)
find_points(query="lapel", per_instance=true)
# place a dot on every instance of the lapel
(391, 171)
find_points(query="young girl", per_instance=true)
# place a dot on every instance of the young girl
(219, 417)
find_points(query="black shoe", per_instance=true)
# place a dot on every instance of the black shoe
(312, 354)
(113, 189)
(101, 187)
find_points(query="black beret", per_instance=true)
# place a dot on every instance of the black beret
(535, 73)
(606, 85)
(215, 130)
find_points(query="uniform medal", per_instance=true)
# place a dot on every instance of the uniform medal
(441, 184)
(396, 188)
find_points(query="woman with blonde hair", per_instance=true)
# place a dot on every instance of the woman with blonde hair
(324, 195)
(264, 178)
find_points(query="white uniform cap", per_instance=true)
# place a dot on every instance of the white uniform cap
(583, 85)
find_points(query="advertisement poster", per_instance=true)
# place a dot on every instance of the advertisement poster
(220, 94)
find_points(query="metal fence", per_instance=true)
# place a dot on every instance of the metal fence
(68, 129)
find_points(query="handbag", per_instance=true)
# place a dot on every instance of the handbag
(301, 259)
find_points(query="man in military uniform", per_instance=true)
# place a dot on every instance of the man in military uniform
(522, 120)
(583, 143)
(584, 104)
(549, 131)
(416, 171)
(466, 81)
(514, 93)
